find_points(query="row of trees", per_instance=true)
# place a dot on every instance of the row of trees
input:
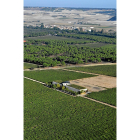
(60, 53)
(91, 37)
(58, 42)
(63, 88)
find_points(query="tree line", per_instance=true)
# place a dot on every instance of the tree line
(56, 52)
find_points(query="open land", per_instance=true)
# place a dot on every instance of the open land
(97, 83)
(71, 18)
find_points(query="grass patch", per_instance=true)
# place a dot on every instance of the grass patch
(53, 75)
(52, 115)
(106, 96)
(109, 70)
(30, 65)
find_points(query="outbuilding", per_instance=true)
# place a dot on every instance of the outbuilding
(65, 83)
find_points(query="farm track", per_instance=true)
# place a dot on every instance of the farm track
(75, 96)
(61, 67)
(100, 102)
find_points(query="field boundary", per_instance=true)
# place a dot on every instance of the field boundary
(64, 67)
(99, 102)
(81, 72)
(74, 96)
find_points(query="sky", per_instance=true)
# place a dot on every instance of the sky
(72, 3)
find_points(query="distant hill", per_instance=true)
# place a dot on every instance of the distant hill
(112, 19)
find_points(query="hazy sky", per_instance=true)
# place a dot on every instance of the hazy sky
(72, 3)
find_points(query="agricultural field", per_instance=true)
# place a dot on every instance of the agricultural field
(109, 70)
(96, 38)
(52, 75)
(106, 96)
(92, 45)
(29, 65)
(49, 114)
(50, 37)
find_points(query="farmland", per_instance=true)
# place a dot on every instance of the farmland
(109, 70)
(50, 114)
(52, 75)
(93, 45)
(50, 37)
(29, 65)
(59, 38)
(106, 96)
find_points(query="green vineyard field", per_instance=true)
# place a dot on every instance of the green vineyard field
(109, 70)
(106, 96)
(52, 75)
(52, 115)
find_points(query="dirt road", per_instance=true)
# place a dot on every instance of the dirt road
(63, 67)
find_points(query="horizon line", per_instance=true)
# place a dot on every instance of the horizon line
(68, 7)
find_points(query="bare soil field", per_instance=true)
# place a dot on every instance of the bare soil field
(97, 83)
(76, 18)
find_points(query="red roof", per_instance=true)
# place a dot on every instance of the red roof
(24, 41)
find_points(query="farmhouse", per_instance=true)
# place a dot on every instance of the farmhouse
(65, 83)
(72, 88)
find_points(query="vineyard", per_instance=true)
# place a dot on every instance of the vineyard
(55, 75)
(109, 70)
(106, 96)
(50, 114)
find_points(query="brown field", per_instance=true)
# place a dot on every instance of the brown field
(97, 83)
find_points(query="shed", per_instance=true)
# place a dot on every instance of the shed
(65, 83)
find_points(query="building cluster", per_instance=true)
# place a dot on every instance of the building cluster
(63, 27)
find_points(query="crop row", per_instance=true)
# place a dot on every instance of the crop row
(109, 70)
(106, 96)
(53, 75)
(50, 114)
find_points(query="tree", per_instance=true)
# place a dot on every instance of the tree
(98, 59)
(63, 63)
(45, 65)
(58, 86)
(42, 25)
(54, 64)
(46, 83)
(54, 86)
